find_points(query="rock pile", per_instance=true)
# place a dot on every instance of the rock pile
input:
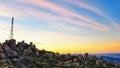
(11, 52)
(24, 55)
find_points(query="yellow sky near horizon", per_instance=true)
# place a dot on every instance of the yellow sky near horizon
(109, 46)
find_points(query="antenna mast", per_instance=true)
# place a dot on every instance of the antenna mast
(11, 31)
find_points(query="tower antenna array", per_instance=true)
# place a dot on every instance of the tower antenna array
(11, 31)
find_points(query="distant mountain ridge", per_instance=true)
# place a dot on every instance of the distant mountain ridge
(116, 60)
(114, 57)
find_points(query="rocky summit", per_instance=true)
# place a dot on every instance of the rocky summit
(24, 55)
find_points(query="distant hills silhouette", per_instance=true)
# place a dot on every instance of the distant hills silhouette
(114, 57)
(117, 60)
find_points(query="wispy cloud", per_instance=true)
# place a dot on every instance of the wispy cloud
(94, 9)
(39, 14)
(8, 11)
(12, 11)
(67, 14)
(89, 7)
(49, 16)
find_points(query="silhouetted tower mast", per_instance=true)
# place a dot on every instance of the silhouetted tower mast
(11, 31)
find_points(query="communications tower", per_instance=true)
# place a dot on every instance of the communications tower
(11, 31)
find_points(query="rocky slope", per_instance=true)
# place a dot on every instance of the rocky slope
(24, 55)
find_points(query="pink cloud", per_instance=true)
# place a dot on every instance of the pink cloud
(66, 14)
(40, 14)
(9, 11)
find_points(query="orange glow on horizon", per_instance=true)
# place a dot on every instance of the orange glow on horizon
(88, 48)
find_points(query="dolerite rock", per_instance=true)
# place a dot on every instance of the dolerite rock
(3, 60)
(2, 55)
(37, 53)
(12, 44)
(14, 53)
(1, 50)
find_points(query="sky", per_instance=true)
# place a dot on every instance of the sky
(64, 26)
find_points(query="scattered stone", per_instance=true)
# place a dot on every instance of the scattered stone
(23, 55)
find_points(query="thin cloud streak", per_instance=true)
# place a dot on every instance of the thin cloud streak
(33, 13)
(47, 16)
(65, 13)
(9, 11)
(50, 17)
(39, 14)
(85, 5)
(89, 7)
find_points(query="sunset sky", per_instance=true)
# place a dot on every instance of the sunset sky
(65, 26)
